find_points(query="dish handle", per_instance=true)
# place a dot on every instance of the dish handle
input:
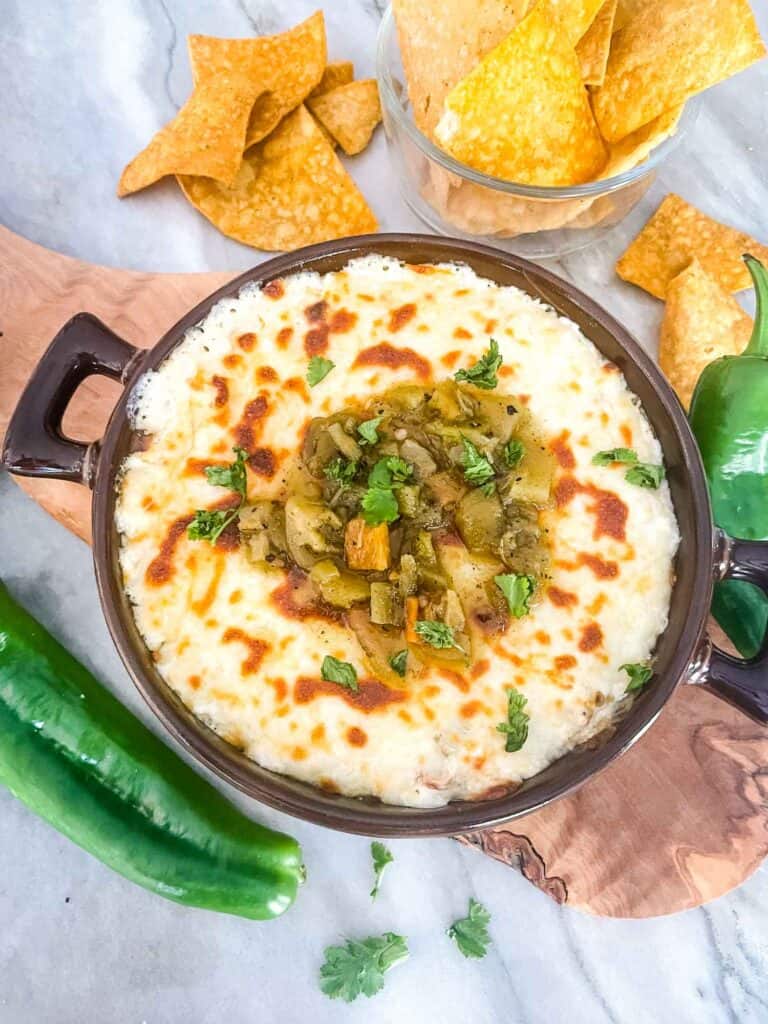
(35, 444)
(742, 682)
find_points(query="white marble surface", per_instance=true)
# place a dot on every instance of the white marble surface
(82, 86)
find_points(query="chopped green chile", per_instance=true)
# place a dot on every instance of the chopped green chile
(449, 480)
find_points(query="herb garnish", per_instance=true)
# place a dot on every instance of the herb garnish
(437, 634)
(334, 671)
(516, 726)
(399, 662)
(638, 673)
(381, 857)
(209, 524)
(514, 451)
(483, 373)
(517, 589)
(379, 503)
(368, 431)
(470, 933)
(318, 369)
(611, 455)
(343, 471)
(358, 967)
(478, 470)
(641, 474)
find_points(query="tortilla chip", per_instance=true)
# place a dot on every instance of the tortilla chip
(292, 190)
(632, 150)
(625, 12)
(349, 113)
(678, 233)
(442, 40)
(669, 51)
(205, 138)
(337, 72)
(576, 16)
(592, 49)
(523, 114)
(286, 66)
(701, 323)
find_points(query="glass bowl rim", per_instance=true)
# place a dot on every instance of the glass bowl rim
(604, 186)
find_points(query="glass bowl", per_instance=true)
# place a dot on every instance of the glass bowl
(534, 221)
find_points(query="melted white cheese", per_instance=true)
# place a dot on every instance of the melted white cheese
(440, 743)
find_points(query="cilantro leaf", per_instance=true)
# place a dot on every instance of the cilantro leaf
(517, 589)
(379, 505)
(516, 726)
(643, 474)
(483, 373)
(477, 469)
(318, 369)
(638, 673)
(436, 634)
(209, 524)
(358, 967)
(611, 455)
(343, 471)
(232, 476)
(399, 662)
(399, 468)
(470, 933)
(514, 451)
(334, 671)
(381, 857)
(368, 432)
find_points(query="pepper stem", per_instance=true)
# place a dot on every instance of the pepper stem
(758, 342)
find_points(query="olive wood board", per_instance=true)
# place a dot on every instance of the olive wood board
(680, 819)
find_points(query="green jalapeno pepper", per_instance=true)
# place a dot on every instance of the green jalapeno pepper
(79, 759)
(729, 416)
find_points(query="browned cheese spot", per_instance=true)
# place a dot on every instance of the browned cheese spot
(399, 317)
(371, 695)
(256, 649)
(393, 358)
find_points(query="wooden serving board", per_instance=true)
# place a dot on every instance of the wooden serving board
(678, 820)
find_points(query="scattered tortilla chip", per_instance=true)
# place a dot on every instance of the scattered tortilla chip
(576, 16)
(349, 113)
(337, 72)
(205, 138)
(441, 42)
(292, 190)
(678, 233)
(625, 12)
(523, 114)
(287, 67)
(670, 50)
(701, 323)
(592, 49)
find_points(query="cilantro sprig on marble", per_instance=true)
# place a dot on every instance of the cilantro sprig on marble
(358, 967)
(470, 933)
(381, 856)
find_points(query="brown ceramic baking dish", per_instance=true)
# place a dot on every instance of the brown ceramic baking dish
(35, 446)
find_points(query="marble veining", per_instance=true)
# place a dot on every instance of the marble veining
(83, 86)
